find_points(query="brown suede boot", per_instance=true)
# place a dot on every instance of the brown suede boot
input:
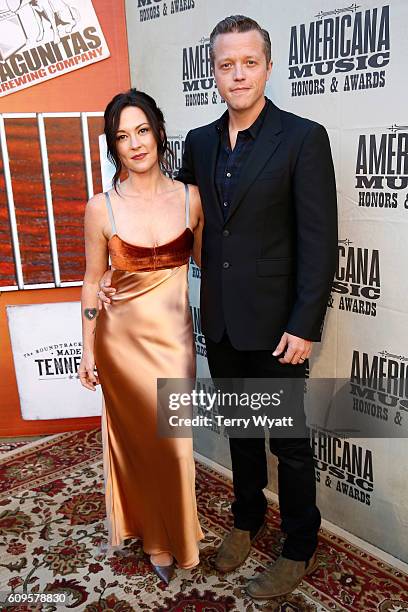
(234, 549)
(280, 578)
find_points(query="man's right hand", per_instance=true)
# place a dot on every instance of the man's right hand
(106, 291)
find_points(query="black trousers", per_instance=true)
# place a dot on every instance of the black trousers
(300, 517)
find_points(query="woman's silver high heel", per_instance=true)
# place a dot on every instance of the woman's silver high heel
(164, 572)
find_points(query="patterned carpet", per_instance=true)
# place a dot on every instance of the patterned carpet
(6, 447)
(51, 532)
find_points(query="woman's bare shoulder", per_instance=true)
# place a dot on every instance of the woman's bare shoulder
(195, 196)
(97, 200)
(176, 185)
(96, 203)
(193, 189)
(95, 211)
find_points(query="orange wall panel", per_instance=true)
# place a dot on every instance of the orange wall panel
(11, 423)
(87, 89)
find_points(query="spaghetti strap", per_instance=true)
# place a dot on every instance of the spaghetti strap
(110, 212)
(187, 192)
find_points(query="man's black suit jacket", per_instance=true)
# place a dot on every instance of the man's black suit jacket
(268, 268)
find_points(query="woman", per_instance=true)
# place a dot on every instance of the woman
(149, 224)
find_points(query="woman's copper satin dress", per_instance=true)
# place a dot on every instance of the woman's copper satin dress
(145, 334)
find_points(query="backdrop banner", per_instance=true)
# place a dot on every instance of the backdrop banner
(343, 66)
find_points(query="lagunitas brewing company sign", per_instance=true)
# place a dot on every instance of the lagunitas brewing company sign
(199, 86)
(42, 39)
(343, 467)
(343, 49)
(381, 171)
(357, 282)
(154, 9)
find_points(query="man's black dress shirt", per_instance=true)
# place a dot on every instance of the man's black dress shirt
(230, 162)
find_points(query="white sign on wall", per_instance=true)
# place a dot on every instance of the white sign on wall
(44, 39)
(47, 350)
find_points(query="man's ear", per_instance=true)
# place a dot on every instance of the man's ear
(269, 69)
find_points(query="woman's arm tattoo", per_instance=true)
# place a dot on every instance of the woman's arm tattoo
(90, 313)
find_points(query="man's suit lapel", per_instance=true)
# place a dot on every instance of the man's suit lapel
(265, 145)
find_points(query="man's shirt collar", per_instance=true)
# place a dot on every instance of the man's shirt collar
(253, 130)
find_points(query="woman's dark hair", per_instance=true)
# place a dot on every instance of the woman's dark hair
(154, 115)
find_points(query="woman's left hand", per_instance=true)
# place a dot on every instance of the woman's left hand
(86, 372)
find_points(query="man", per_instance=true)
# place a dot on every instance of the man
(269, 249)
(268, 259)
